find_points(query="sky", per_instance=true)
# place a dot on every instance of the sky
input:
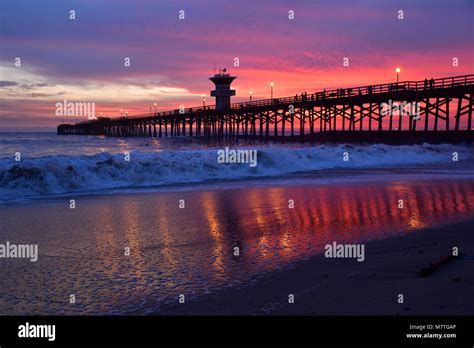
(171, 59)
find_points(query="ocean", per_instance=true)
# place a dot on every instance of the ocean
(43, 165)
(182, 214)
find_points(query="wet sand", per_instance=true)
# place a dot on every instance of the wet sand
(323, 286)
(190, 250)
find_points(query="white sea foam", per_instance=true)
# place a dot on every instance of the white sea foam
(52, 175)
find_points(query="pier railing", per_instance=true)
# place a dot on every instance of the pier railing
(428, 84)
(431, 110)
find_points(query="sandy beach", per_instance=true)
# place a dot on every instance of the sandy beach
(323, 286)
(191, 250)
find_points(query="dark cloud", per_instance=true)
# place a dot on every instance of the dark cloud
(8, 84)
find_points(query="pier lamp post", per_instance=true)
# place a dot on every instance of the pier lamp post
(271, 90)
(203, 100)
(250, 93)
(121, 112)
(155, 108)
(126, 113)
(398, 73)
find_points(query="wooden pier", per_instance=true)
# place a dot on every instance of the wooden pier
(435, 110)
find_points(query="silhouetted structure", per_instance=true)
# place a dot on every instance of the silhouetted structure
(351, 114)
(222, 91)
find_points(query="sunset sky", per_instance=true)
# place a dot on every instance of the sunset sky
(82, 60)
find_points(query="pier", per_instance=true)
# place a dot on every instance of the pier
(434, 110)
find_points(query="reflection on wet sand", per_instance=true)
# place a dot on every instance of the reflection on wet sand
(191, 250)
(327, 213)
(209, 209)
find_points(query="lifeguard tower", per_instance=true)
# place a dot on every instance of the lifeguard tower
(222, 80)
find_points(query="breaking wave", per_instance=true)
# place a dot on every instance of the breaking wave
(58, 175)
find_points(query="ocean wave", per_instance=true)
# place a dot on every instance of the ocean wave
(56, 175)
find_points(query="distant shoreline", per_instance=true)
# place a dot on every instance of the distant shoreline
(3, 131)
